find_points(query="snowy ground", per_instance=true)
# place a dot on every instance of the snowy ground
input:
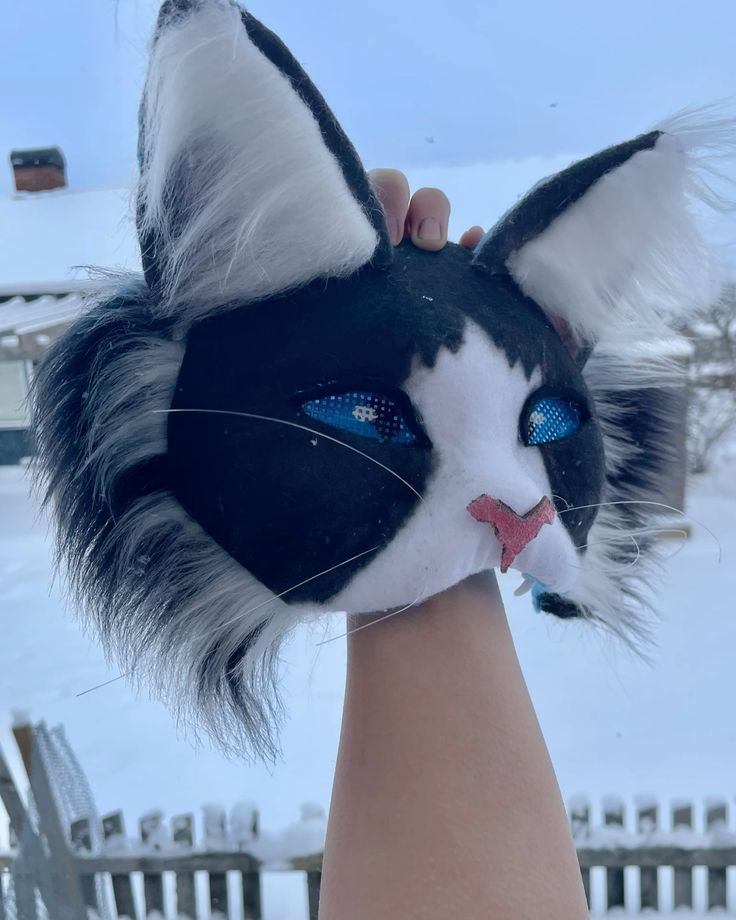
(612, 723)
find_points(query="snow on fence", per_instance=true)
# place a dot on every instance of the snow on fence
(67, 863)
(630, 859)
(655, 862)
(167, 870)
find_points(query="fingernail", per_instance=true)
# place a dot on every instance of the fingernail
(429, 230)
(392, 225)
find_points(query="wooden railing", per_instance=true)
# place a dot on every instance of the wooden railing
(158, 871)
(650, 845)
(644, 862)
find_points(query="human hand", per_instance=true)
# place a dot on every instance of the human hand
(422, 217)
(438, 721)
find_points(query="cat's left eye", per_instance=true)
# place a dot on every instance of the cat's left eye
(372, 414)
(551, 418)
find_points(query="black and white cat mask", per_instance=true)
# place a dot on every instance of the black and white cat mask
(285, 415)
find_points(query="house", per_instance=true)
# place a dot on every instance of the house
(49, 236)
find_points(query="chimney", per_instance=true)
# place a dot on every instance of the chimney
(38, 170)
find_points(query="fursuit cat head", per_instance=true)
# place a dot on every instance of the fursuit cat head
(284, 415)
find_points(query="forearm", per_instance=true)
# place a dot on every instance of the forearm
(445, 802)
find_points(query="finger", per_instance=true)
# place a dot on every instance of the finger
(427, 218)
(472, 237)
(392, 188)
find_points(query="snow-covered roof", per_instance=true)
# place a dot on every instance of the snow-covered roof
(20, 316)
(47, 239)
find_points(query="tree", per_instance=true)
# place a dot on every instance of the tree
(712, 379)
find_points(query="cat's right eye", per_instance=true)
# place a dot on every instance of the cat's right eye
(381, 416)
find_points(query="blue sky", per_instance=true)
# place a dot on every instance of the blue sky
(414, 83)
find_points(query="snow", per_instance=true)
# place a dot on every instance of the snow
(613, 724)
(214, 826)
(305, 837)
(613, 804)
(117, 843)
(19, 717)
(48, 238)
(243, 816)
(714, 801)
(311, 811)
(598, 838)
(722, 836)
(578, 803)
(156, 831)
(680, 803)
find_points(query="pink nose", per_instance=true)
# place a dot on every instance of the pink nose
(513, 531)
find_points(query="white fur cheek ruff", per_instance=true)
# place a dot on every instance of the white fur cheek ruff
(470, 402)
(629, 250)
(236, 180)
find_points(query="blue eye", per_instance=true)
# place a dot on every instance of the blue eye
(551, 418)
(371, 414)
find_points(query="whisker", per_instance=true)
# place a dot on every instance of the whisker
(381, 619)
(281, 421)
(320, 434)
(249, 611)
(612, 541)
(653, 504)
(629, 565)
(372, 623)
(105, 683)
(624, 534)
(640, 533)
(275, 597)
(681, 547)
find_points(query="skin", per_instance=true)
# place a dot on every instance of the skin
(422, 217)
(445, 802)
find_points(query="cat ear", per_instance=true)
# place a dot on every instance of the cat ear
(609, 243)
(248, 184)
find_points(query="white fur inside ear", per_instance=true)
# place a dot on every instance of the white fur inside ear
(629, 250)
(262, 204)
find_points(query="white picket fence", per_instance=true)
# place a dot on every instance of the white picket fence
(630, 859)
